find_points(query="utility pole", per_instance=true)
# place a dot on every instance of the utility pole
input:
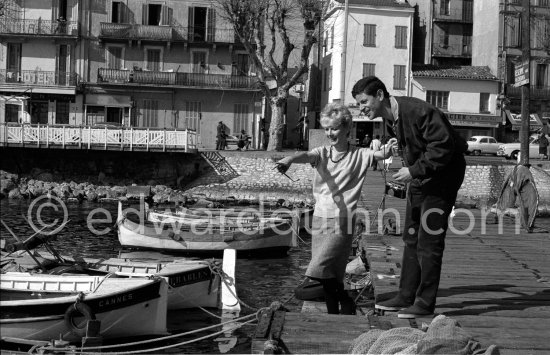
(525, 89)
(344, 55)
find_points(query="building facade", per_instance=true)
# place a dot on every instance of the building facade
(497, 43)
(379, 42)
(145, 64)
(468, 96)
(443, 32)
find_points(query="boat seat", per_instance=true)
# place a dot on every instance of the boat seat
(50, 283)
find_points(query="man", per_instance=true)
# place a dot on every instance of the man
(244, 140)
(543, 145)
(433, 155)
(220, 136)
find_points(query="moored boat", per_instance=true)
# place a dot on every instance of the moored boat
(45, 307)
(210, 237)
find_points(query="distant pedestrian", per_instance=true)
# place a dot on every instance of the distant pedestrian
(220, 136)
(543, 146)
(244, 140)
(375, 145)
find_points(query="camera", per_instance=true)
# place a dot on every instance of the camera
(396, 189)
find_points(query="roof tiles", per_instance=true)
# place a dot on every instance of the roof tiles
(390, 3)
(453, 72)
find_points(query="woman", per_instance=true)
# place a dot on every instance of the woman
(340, 173)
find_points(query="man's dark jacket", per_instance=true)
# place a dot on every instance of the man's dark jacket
(432, 149)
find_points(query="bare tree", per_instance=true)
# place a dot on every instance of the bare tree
(264, 29)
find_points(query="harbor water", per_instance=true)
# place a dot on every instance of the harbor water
(260, 280)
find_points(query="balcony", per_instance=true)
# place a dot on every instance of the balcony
(38, 78)
(461, 16)
(536, 92)
(127, 31)
(125, 77)
(38, 27)
(89, 137)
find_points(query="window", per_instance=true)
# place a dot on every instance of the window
(325, 44)
(399, 79)
(400, 36)
(444, 36)
(325, 76)
(114, 57)
(438, 99)
(368, 69)
(62, 112)
(330, 78)
(95, 114)
(240, 117)
(241, 66)
(513, 31)
(152, 14)
(12, 113)
(193, 115)
(150, 113)
(117, 12)
(13, 65)
(198, 61)
(369, 36)
(541, 37)
(543, 3)
(484, 102)
(445, 6)
(202, 24)
(153, 59)
(332, 37)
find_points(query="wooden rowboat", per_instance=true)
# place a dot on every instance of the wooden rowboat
(274, 236)
(45, 307)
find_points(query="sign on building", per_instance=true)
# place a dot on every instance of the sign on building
(521, 74)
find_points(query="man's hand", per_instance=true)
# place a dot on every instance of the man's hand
(283, 165)
(403, 175)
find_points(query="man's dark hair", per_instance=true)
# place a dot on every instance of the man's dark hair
(370, 86)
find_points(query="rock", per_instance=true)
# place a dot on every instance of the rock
(15, 194)
(6, 185)
(91, 196)
(45, 176)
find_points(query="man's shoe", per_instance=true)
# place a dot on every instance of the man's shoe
(393, 304)
(414, 311)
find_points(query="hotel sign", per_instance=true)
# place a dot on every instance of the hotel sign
(521, 74)
(462, 119)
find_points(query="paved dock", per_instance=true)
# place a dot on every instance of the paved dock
(495, 283)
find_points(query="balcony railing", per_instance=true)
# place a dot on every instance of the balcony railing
(38, 78)
(88, 137)
(167, 33)
(38, 27)
(536, 92)
(464, 16)
(118, 76)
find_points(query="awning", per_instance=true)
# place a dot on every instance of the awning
(473, 120)
(515, 119)
(357, 116)
(108, 100)
(14, 100)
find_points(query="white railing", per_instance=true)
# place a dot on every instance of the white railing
(91, 137)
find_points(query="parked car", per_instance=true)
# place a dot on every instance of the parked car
(511, 150)
(478, 145)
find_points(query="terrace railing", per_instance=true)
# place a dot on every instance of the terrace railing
(38, 78)
(167, 33)
(120, 76)
(38, 27)
(89, 137)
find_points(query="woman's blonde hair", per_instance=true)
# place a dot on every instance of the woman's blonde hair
(337, 112)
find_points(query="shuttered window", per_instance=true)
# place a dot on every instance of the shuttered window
(240, 118)
(114, 57)
(369, 36)
(445, 7)
(62, 112)
(368, 69)
(330, 78)
(513, 31)
(400, 36)
(484, 102)
(399, 78)
(153, 59)
(193, 115)
(150, 113)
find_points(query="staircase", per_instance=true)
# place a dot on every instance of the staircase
(219, 164)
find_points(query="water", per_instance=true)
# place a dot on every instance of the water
(259, 281)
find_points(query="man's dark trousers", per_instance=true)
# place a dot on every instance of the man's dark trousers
(425, 241)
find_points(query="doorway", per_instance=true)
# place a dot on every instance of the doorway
(114, 114)
(39, 112)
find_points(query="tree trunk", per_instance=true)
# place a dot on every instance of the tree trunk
(276, 128)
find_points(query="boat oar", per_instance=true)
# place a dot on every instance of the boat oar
(25, 248)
